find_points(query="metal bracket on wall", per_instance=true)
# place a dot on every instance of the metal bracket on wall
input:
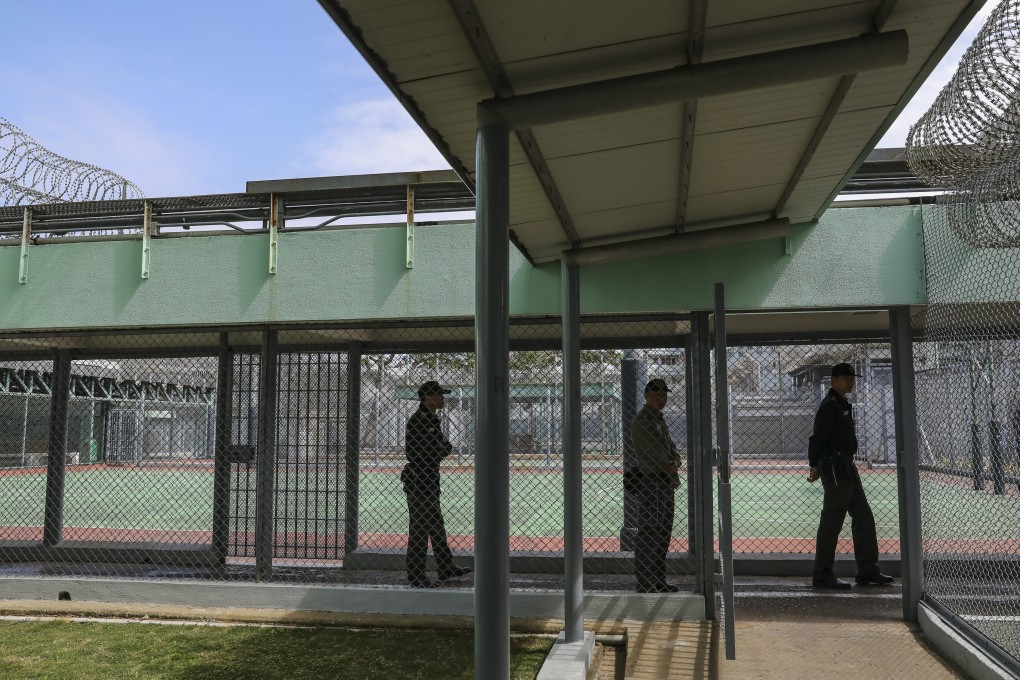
(787, 245)
(410, 226)
(26, 234)
(275, 224)
(146, 238)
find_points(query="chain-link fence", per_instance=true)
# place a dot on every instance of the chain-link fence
(775, 391)
(308, 454)
(969, 430)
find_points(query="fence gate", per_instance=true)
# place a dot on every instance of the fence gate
(309, 474)
(124, 436)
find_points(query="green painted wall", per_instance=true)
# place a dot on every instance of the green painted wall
(852, 257)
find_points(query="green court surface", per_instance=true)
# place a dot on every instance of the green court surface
(764, 504)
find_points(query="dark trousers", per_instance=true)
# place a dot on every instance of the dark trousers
(846, 496)
(426, 524)
(655, 528)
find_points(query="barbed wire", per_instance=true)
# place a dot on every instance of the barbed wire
(31, 174)
(968, 142)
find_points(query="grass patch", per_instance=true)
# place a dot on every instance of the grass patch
(104, 650)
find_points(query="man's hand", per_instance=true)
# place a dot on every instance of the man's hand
(813, 475)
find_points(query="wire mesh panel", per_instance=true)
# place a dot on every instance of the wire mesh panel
(416, 487)
(969, 430)
(775, 391)
(24, 422)
(140, 450)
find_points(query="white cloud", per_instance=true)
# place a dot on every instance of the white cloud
(122, 138)
(371, 136)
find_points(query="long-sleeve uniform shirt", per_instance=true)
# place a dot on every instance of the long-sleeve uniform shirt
(654, 450)
(426, 447)
(833, 443)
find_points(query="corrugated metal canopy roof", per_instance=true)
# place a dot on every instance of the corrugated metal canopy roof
(772, 152)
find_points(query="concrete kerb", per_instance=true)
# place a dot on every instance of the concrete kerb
(568, 660)
(347, 599)
(975, 663)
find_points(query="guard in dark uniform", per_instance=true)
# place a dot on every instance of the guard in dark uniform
(654, 481)
(426, 447)
(831, 451)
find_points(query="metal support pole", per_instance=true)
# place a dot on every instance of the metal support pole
(573, 552)
(221, 443)
(722, 429)
(1016, 435)
(146, 238)
(632, 375)
(997, 451)
(56, 460)
(24, 430)
(907, 470)
(410, 226)
(26, 235)
(977, 459)
(691, 414)
(275, 224)
(265, 456)
(492, 347)
(352, 450)
(701, 393)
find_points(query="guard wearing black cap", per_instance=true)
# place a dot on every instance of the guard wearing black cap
(655, 479)
(426, 447)
(831, 451)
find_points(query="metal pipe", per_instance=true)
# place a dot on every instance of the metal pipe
(56, 460)
(722, 429)
(352, 451)
(573, 552)
(265, 455)
(492, 457)
(221, 465)
(676, 243)
(698, 81)
(907, 471)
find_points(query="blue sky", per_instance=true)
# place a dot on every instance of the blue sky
(191, 97)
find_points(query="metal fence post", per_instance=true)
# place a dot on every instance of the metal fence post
(265, 456)
(352, 450)
(221, 442)
(56, 459)
(492, 352)
(573, 552)
(701, 397)
(631, 377)
(907, 468)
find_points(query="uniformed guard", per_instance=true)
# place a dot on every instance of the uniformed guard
(654, 481)
(831, 451)
(426, 447)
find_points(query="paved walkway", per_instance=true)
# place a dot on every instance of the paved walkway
(787, 631)
(784, 650)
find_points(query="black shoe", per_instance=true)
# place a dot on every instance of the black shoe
(423, 583)
(876, 579)
(455, 573)
(831, 582)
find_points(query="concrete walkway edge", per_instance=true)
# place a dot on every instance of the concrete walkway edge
(971, 659)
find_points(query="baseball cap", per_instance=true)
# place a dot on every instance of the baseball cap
(431, 387)
(843, 369)
(656, 385)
